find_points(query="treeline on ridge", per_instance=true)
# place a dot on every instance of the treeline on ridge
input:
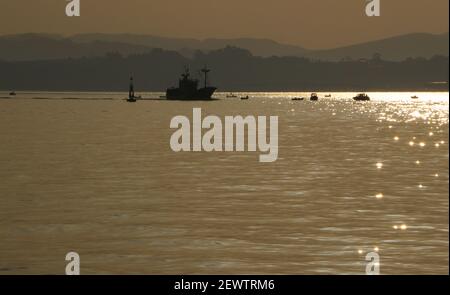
(233, 69)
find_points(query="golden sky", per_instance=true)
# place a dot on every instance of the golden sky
(308, 23)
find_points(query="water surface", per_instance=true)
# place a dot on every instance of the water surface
(90, 173)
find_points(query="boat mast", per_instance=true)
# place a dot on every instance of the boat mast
(186, 73)
(131, 91)
(205, 71)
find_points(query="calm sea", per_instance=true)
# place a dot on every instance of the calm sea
(90, 173)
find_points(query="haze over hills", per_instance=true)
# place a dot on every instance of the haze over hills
(44, 46)
(258, 47)
(394, 48)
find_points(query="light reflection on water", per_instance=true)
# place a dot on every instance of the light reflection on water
(97, 176)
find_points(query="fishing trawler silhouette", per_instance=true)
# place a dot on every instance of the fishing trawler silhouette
(188, 88)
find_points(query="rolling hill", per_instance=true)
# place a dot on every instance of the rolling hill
(44, 46)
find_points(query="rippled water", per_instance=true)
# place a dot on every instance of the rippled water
(97, 176)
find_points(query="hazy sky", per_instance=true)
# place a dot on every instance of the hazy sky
(309, 23)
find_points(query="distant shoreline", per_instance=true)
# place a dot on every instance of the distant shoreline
(325, 90)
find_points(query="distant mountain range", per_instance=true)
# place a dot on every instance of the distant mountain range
(395, 48)
(258, 47)
(25, 47)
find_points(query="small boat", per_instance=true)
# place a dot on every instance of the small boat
(245, 98)
(298, 98)
(231, 95)
(362, 97)
(328, 95)
(314, 97)
(415, 97)
(12, 93)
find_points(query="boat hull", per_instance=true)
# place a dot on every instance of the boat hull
(199, 94)
(361, 98)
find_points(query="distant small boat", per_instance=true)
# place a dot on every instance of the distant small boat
(12, 93)
(314, 97)
(298, 98)
(328, 95)
(245, 97)
(415, 97)
(231, 95)
(362, 97)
